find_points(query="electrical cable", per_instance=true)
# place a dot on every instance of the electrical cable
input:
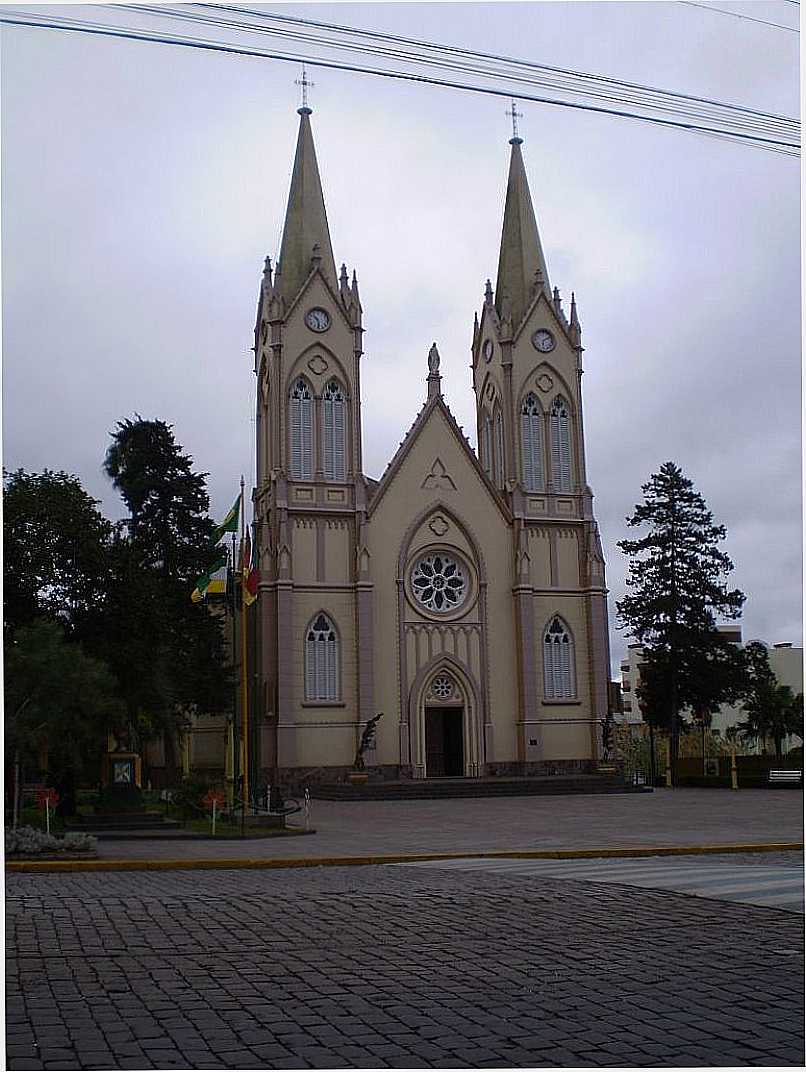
(737, 15)
(712, 113)
(94, 29)
(455, 50)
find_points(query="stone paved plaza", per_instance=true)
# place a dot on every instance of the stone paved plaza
(392, 966)
(665, 817)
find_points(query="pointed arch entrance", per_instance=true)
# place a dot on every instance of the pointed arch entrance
(444, 713)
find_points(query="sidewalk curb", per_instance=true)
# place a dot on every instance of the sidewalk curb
(245, 863)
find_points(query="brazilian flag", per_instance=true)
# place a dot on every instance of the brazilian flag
(230, 522)
(206, 580)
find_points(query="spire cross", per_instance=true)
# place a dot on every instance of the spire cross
(514, 116)
(305, 84)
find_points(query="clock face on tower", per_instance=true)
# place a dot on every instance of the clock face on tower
(543, 341)
(317, 319)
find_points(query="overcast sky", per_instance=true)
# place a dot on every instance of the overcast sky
(143, 185)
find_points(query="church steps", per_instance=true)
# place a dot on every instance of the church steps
(443, 788)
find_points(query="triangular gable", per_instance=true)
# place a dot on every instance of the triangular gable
(437, 402)
(561, 323)
(306, 285)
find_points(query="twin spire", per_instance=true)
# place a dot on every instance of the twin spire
(521, 263)
(305, 220)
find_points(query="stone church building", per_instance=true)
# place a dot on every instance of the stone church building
(462, 595)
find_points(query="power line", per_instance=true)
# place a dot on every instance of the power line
(95, 29)
(572, 82)
(736, 15)
(455, 50)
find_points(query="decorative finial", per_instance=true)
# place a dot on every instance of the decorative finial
(488, 292)
(433, 359)
(316, 255)
(267, 267)
(515, 116)
(304, 110)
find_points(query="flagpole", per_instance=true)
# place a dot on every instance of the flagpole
(235, 735)
(244, 695)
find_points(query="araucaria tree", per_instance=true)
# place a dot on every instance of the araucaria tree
(676, 589)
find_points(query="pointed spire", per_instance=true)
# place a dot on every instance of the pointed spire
(521, 255)
(434, 379)
(557, 301)
(576, 327)
(344, 287)
(305, 220)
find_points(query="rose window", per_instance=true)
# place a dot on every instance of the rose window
(439, 583)
(442, 687)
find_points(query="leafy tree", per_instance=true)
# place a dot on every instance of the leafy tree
(675, 589)
(55, 545)
(772, 710)
(167, 652)
(57, 695)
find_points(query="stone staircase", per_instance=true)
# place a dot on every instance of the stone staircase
(122, 822)
(443, 788)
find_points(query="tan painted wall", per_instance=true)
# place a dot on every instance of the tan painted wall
(450, 495)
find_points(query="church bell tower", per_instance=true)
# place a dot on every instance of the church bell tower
(310, 495)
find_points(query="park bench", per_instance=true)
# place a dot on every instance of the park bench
(785, 777)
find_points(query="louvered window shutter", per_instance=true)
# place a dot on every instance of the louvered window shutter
(559, 681)
(334, 426)
(322, 661)
(306, 467)
(499, 450)
(487, 461)
(532, 444)
(339, 440)
(560, 446)
(310, 666)
(300, 419)
(327, 421)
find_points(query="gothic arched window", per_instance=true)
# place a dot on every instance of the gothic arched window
(560, 445)
(334, 420)
(499, 450)
(559, 677)
(300, 420)
(532, 444)
(321, 660)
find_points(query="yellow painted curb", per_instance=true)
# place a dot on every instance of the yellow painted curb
(245, 863)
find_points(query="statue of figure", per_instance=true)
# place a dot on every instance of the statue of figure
(607, 737)
(367, 737)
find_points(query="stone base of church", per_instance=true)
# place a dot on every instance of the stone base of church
(543, 768)
(294, 780)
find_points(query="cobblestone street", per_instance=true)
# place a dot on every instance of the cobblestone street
(392, 967)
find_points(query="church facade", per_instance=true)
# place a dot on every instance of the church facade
(463, 596)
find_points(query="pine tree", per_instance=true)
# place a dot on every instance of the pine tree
(167, 652)
(676, 589)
